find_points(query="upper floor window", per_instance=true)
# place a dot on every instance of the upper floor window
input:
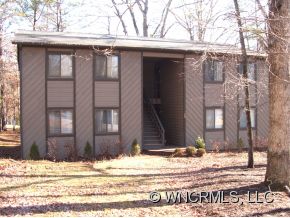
(214, 118)
(60, 121)
(60, 65)
(214, 71)
(250, 70)
(106, 67)
(243, 118)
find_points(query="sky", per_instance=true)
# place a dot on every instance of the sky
(91, 16)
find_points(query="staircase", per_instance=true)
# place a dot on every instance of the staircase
(153, 131)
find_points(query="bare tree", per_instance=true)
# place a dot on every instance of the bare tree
(244, 61)
(55, 15)
(120, 16)
(143, 7)
(161, 27)
(278, 164)
(130, 6)
(195, 17)
(134, 7)
(32, 10)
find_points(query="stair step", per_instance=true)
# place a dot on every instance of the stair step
(151, 137)
(153, 145)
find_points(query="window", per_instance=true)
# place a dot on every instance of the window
(250, 70)
(214, 118)
(60, 66)
(214, 71)
(243, 119)
(60, 122)
(107, 121)
(106, 67)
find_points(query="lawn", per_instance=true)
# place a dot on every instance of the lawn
(121, 187)
(10, 144)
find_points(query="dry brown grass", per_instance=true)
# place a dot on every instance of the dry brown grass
(10, 138)
(121, 187)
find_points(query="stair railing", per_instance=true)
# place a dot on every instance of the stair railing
(155, 119)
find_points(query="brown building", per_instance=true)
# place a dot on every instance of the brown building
(79, 88)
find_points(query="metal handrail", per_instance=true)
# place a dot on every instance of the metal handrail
(156, 119)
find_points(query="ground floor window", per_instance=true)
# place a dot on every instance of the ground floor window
(106, 121)
(243, 118)
(214, 118)
(60, 121)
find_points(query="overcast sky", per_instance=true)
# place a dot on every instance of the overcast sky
(91, 16)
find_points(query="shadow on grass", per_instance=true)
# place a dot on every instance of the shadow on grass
(275, 212)
(76, 207)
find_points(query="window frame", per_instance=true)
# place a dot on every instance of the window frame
(255, 69)
(59, 78)
(255, 118)
(213, 81)
(106, 78)
(60, 134)
(214, 108)
(106, 133)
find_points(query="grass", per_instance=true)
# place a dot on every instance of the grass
(121, 187)
(10, 138)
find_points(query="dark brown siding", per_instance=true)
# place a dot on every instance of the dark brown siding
(33, 99)
(84, 99)
(193, 98)
(107, 143)
(231, 103)
(172, 105)
(106, 94)
(131, 97)
(60, 93)
(262, 100)
(62, 146)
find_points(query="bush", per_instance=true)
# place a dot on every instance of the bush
(177, 152)
(200, 152)
(51, 149)
(71, 152)
(200, 143)
(240, 144)
(34, 153)
(135, 148)
(190, 151)
(88, 151)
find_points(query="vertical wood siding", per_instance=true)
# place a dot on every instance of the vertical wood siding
(84, 99)
(243, 135)
(33, 99)
(60, 93)
(193, 98)
(231, 102)
(62, 144)
(171, 93)
(212, 137)
(108, 144)
(131, 97)
(262, 100)
(106, 94)
(214, 95)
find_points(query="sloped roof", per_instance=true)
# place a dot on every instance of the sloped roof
(137, 43)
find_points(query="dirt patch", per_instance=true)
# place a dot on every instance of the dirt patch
(122, 187)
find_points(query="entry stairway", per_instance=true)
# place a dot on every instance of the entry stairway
(153, 130)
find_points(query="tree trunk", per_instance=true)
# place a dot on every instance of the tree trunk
(247, 91)
(278, 163)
